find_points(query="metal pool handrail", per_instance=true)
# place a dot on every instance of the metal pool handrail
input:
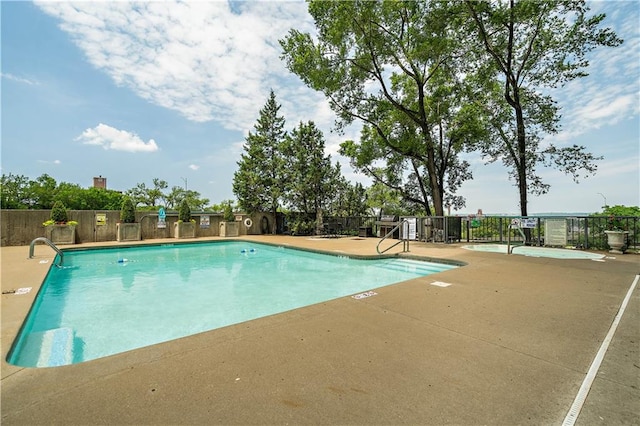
(524, 238)
(404, 240)
(50, 244)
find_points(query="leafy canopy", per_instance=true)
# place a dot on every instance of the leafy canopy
(386, 64)
(525, 49)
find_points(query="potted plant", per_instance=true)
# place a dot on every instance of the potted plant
(58, 229)
(228, 226)
(185, 227)
(127, 229)
(616, 236)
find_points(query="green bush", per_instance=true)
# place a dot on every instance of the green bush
(127, 211)
(184, 213)
(228, 213)
(301, 226)
(59, 213)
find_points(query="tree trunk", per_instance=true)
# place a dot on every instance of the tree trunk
(521, 161)
(274, 228)
(521, 164)
(423, 191)
(436, 193)
(319, 222)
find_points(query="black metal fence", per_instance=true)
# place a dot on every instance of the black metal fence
(585, 232)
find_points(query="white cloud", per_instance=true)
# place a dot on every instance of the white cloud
(118, 140)
(606, 107)
(213, 61)
(608, 95)
(194, 166)
(198, 58)
(19, 79)
(620, 167)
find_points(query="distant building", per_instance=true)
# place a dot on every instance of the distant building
(100, 182)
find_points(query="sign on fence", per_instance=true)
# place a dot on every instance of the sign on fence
(555, 232)
(162, 217)
(101, 219)
(409, 228)
(525, 222)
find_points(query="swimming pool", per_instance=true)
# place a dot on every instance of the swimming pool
(536, 251)
(107, 301)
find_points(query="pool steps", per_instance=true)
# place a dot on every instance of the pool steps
(419, 267)
(51, 347)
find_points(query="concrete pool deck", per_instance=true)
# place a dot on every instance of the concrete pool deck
(510, 341)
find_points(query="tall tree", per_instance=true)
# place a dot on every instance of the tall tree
(381, 199)
(258, 182)
(99, 199)
(70, 195)
(533, 45)
(150, 197)
(43, 190)
(15, 192)
(454, 128)
(375, 62)
(178, 193)
(349, 199)
(156, 195)
(311, 180)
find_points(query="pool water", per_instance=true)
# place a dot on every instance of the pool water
(107, 301)
(535, 251)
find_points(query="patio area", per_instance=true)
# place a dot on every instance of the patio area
(509, 341)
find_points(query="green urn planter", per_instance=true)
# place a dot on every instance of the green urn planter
(617, 241)
(228, 229)
(61, 233)
(184, 229)
(128, 232)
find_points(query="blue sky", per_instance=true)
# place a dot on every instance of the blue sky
(165, 90)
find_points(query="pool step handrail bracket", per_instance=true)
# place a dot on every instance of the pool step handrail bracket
(524, 238)
(403, 238)
(50, 244)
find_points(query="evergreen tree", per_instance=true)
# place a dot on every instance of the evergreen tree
(59, 212)
(355, 200)
(127, 211)
(311, 180)
(184, 212)
(258, 183)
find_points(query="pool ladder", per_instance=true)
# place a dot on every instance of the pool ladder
(524, 239)
(403, 239)
(50, 244)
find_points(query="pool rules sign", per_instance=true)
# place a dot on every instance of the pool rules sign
(162, 218)
(555, 232)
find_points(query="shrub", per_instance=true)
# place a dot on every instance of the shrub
(59, 213)
(184, 212)
(301, 226)
(228, 213)
(127, 211)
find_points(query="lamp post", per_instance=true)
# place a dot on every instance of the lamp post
(605, 200)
